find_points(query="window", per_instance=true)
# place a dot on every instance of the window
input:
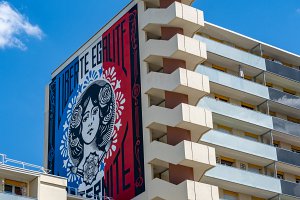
(248, 106)
(15, 187)
(295, 149)
(243, 166)
(292, 119)
(221, 98)
(222, 69)
(249, 78)
(251, 136)
(241, 48)
(225, 129)
(254, 168)
(8, 188)
(228, 195)
(215, 39)
(292, 92)
(18, 190)
(272, 113)
(257, 198)
(269, 84)
(276, 143)
(227, 161)
(280, 175)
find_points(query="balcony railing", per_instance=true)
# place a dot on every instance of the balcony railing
(240, 144)
(236, 112)
(9, 196)
(290, 188)
(287, 127)
(287, 156)
(284, 98)
(282, 70)
(234, 82)
(4, 160)
(233, 53)
(242, 177)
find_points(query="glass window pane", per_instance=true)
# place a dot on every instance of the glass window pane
(18, 190)
(229, 197)
(8, 188)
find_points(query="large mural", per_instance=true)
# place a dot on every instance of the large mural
(95, 120)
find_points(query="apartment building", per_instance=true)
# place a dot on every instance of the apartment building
(254, 99)
(190, 111)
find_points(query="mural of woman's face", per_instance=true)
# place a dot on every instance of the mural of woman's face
(90, 122)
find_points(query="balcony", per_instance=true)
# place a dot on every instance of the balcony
(243, 181)
(287, 127)
(185, 190)
(281, 70)
(239, 114)
(181, 81)
(234, 82)
(176, 15)
(288, 157)
(195, 119)
(232, 53)
(290, 188)
(178, 47)
(241, 148)
(284, 98)
(197, 156)
(8, 196)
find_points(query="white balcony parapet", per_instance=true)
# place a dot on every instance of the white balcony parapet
(233, 53)
(176, 15)
(195, 119)
(234, 82)
(178, 47)
(186, 190)
(242, 180)
(246, 148)
(237, 112)
(197, 156)
(181, 81)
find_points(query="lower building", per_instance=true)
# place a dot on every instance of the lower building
(23, 181)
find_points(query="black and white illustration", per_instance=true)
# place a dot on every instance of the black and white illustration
(91, 128)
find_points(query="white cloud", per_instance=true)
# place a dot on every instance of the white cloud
(14, 26)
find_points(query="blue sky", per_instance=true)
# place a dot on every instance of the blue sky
(45, 33)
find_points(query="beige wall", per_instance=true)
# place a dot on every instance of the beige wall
(33, 188)
(51, 187)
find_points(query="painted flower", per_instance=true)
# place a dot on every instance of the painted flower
(76, 117)
(64, 145)
(105, 95)
(120, 100)
(110, 76)
(71, 106)
(92, 76)
(91, 168)
(71, 173)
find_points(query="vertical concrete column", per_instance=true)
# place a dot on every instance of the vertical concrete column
(177, 173)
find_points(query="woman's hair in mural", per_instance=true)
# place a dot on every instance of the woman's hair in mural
(101, 95)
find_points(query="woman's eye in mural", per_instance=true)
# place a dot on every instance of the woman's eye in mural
(95, 110)
(85, 117)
